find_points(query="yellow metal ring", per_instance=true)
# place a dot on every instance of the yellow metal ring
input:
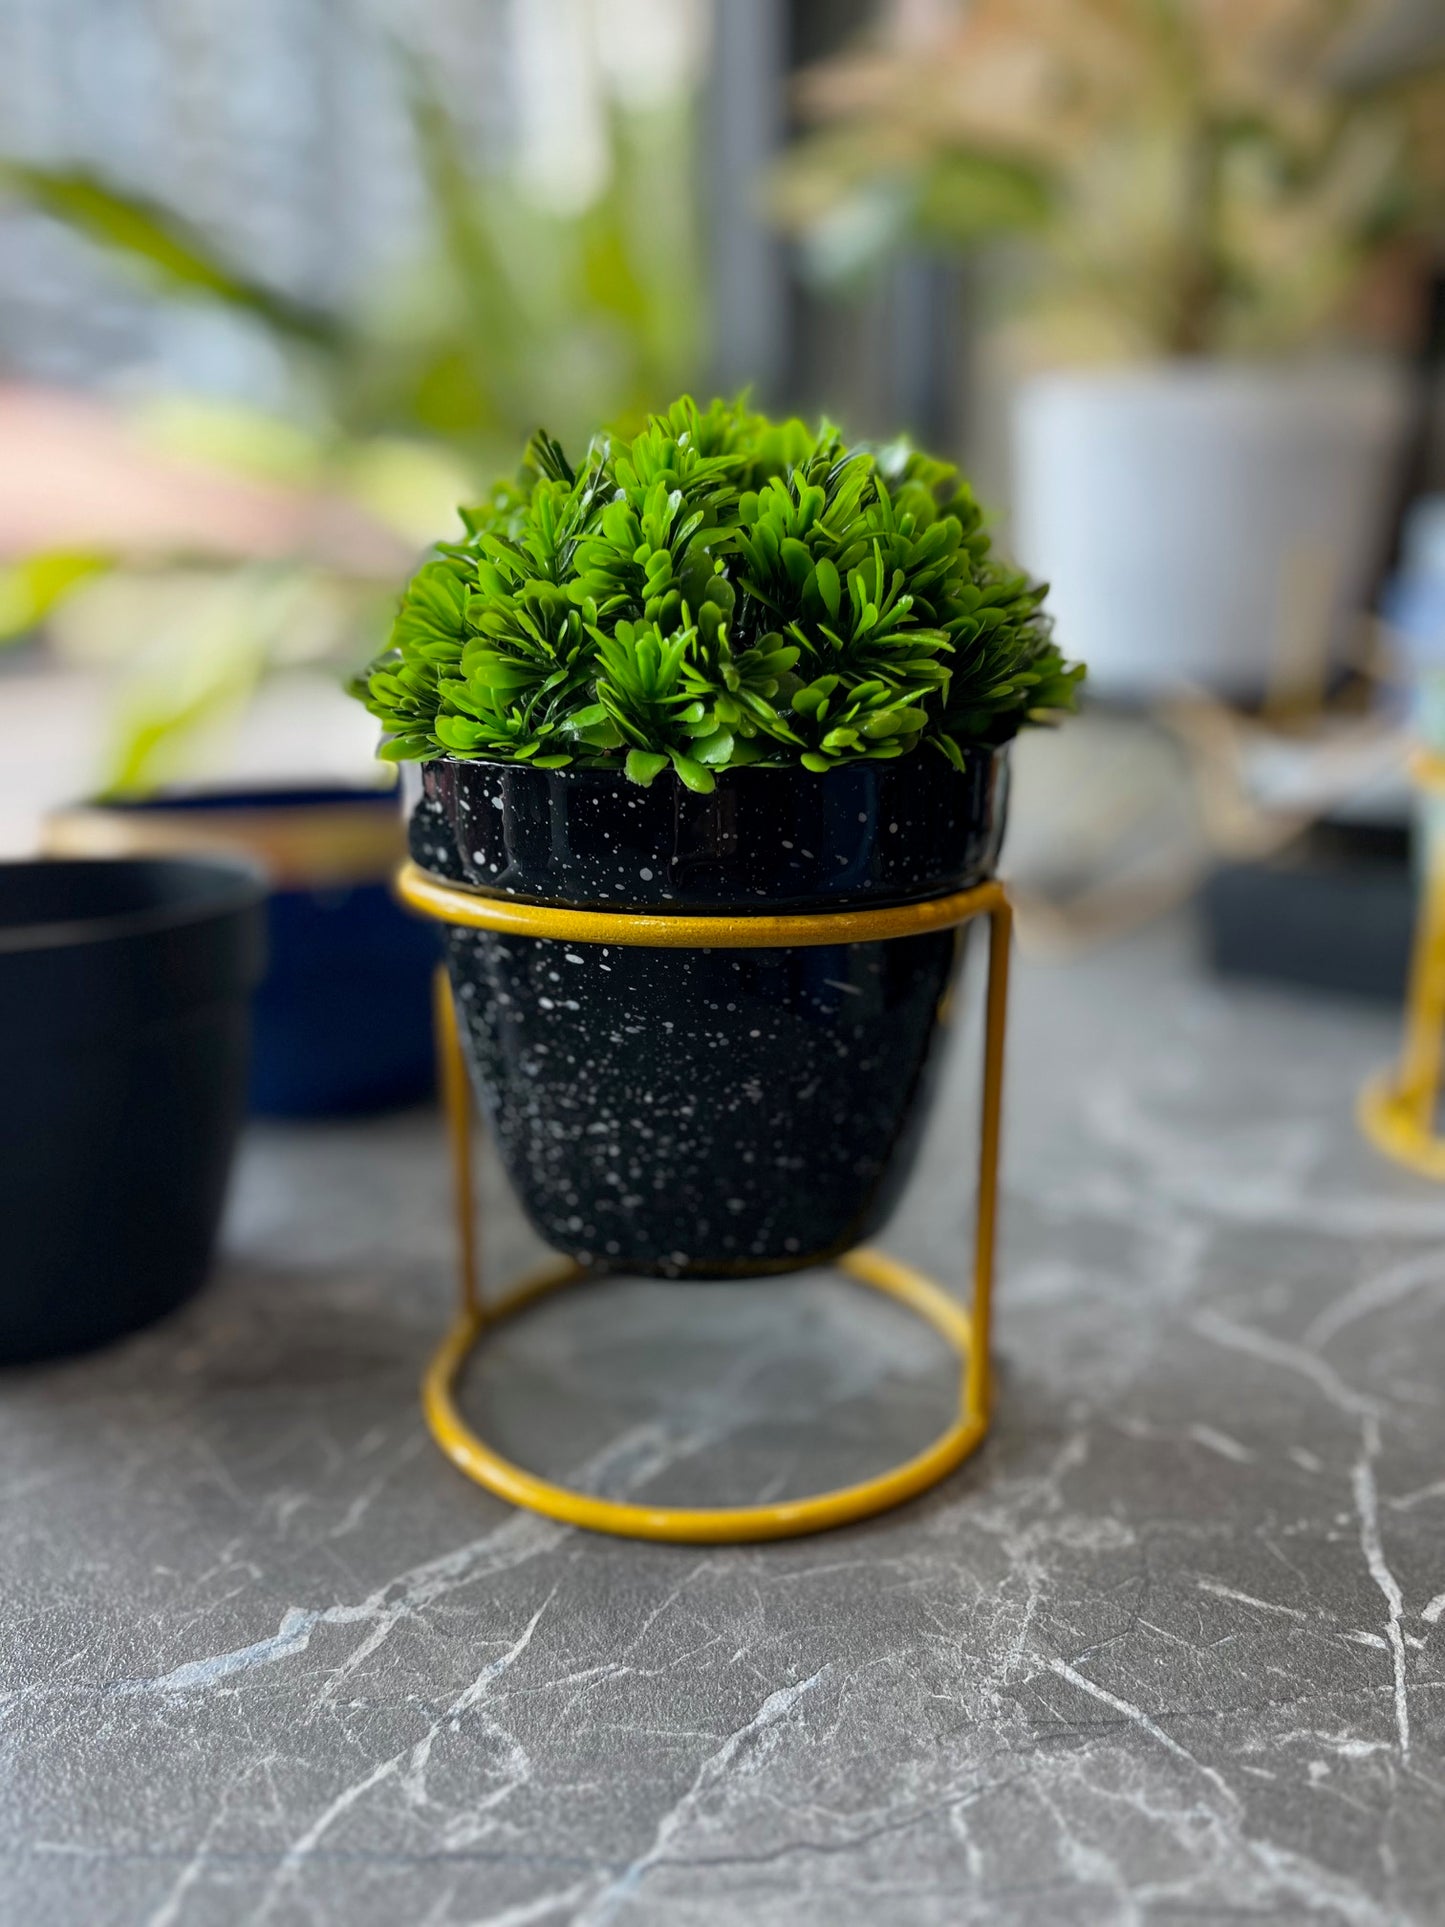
(664, 932)
(704, 1525)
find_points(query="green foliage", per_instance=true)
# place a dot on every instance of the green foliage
(720, 590)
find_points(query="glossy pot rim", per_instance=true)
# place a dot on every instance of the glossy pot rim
(752, 847)
(227, 887)
(615, 773)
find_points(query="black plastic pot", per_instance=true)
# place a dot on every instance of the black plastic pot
(124, 991)
(706, 1113)
(342, 1019)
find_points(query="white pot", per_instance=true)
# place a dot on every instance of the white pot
(1206, 523)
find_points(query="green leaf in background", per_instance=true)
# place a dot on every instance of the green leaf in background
(517, 311)
(31, 588)
(158, 240)
(970, 196)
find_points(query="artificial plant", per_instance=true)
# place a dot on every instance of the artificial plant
(720, 590)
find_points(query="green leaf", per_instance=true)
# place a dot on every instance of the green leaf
(693, 774)
(970, 196)
(716, 749)
(406, 749)
(643, 765)
(31, 588)
(495, 672)
(796, 560)
(158, 240)
(812, 699)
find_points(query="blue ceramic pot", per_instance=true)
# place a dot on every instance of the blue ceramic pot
(707, 1113)
(342, 1019)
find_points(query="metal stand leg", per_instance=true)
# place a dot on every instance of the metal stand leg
(457, 1103)
(978, 1389)
(1397, 1110)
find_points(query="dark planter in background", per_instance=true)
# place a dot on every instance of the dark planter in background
(124, 994)
(704, 1113)
(342, 1020)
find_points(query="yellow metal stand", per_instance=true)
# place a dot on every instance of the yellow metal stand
(966, 1330)
(1397, 1109)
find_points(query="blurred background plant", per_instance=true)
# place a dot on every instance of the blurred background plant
(268, 540)
(1186, 177)
(1199, 248)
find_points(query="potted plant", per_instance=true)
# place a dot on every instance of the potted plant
(1213, 214)
(731, 666)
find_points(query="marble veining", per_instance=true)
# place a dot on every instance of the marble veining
(1169, 1650)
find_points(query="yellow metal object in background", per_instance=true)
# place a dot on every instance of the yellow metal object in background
(966, 1330)
(1397, 1109)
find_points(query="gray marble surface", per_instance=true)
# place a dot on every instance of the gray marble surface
(1171, 1649)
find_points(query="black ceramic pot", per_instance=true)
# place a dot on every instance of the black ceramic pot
(706, 1113)
(124, 989)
